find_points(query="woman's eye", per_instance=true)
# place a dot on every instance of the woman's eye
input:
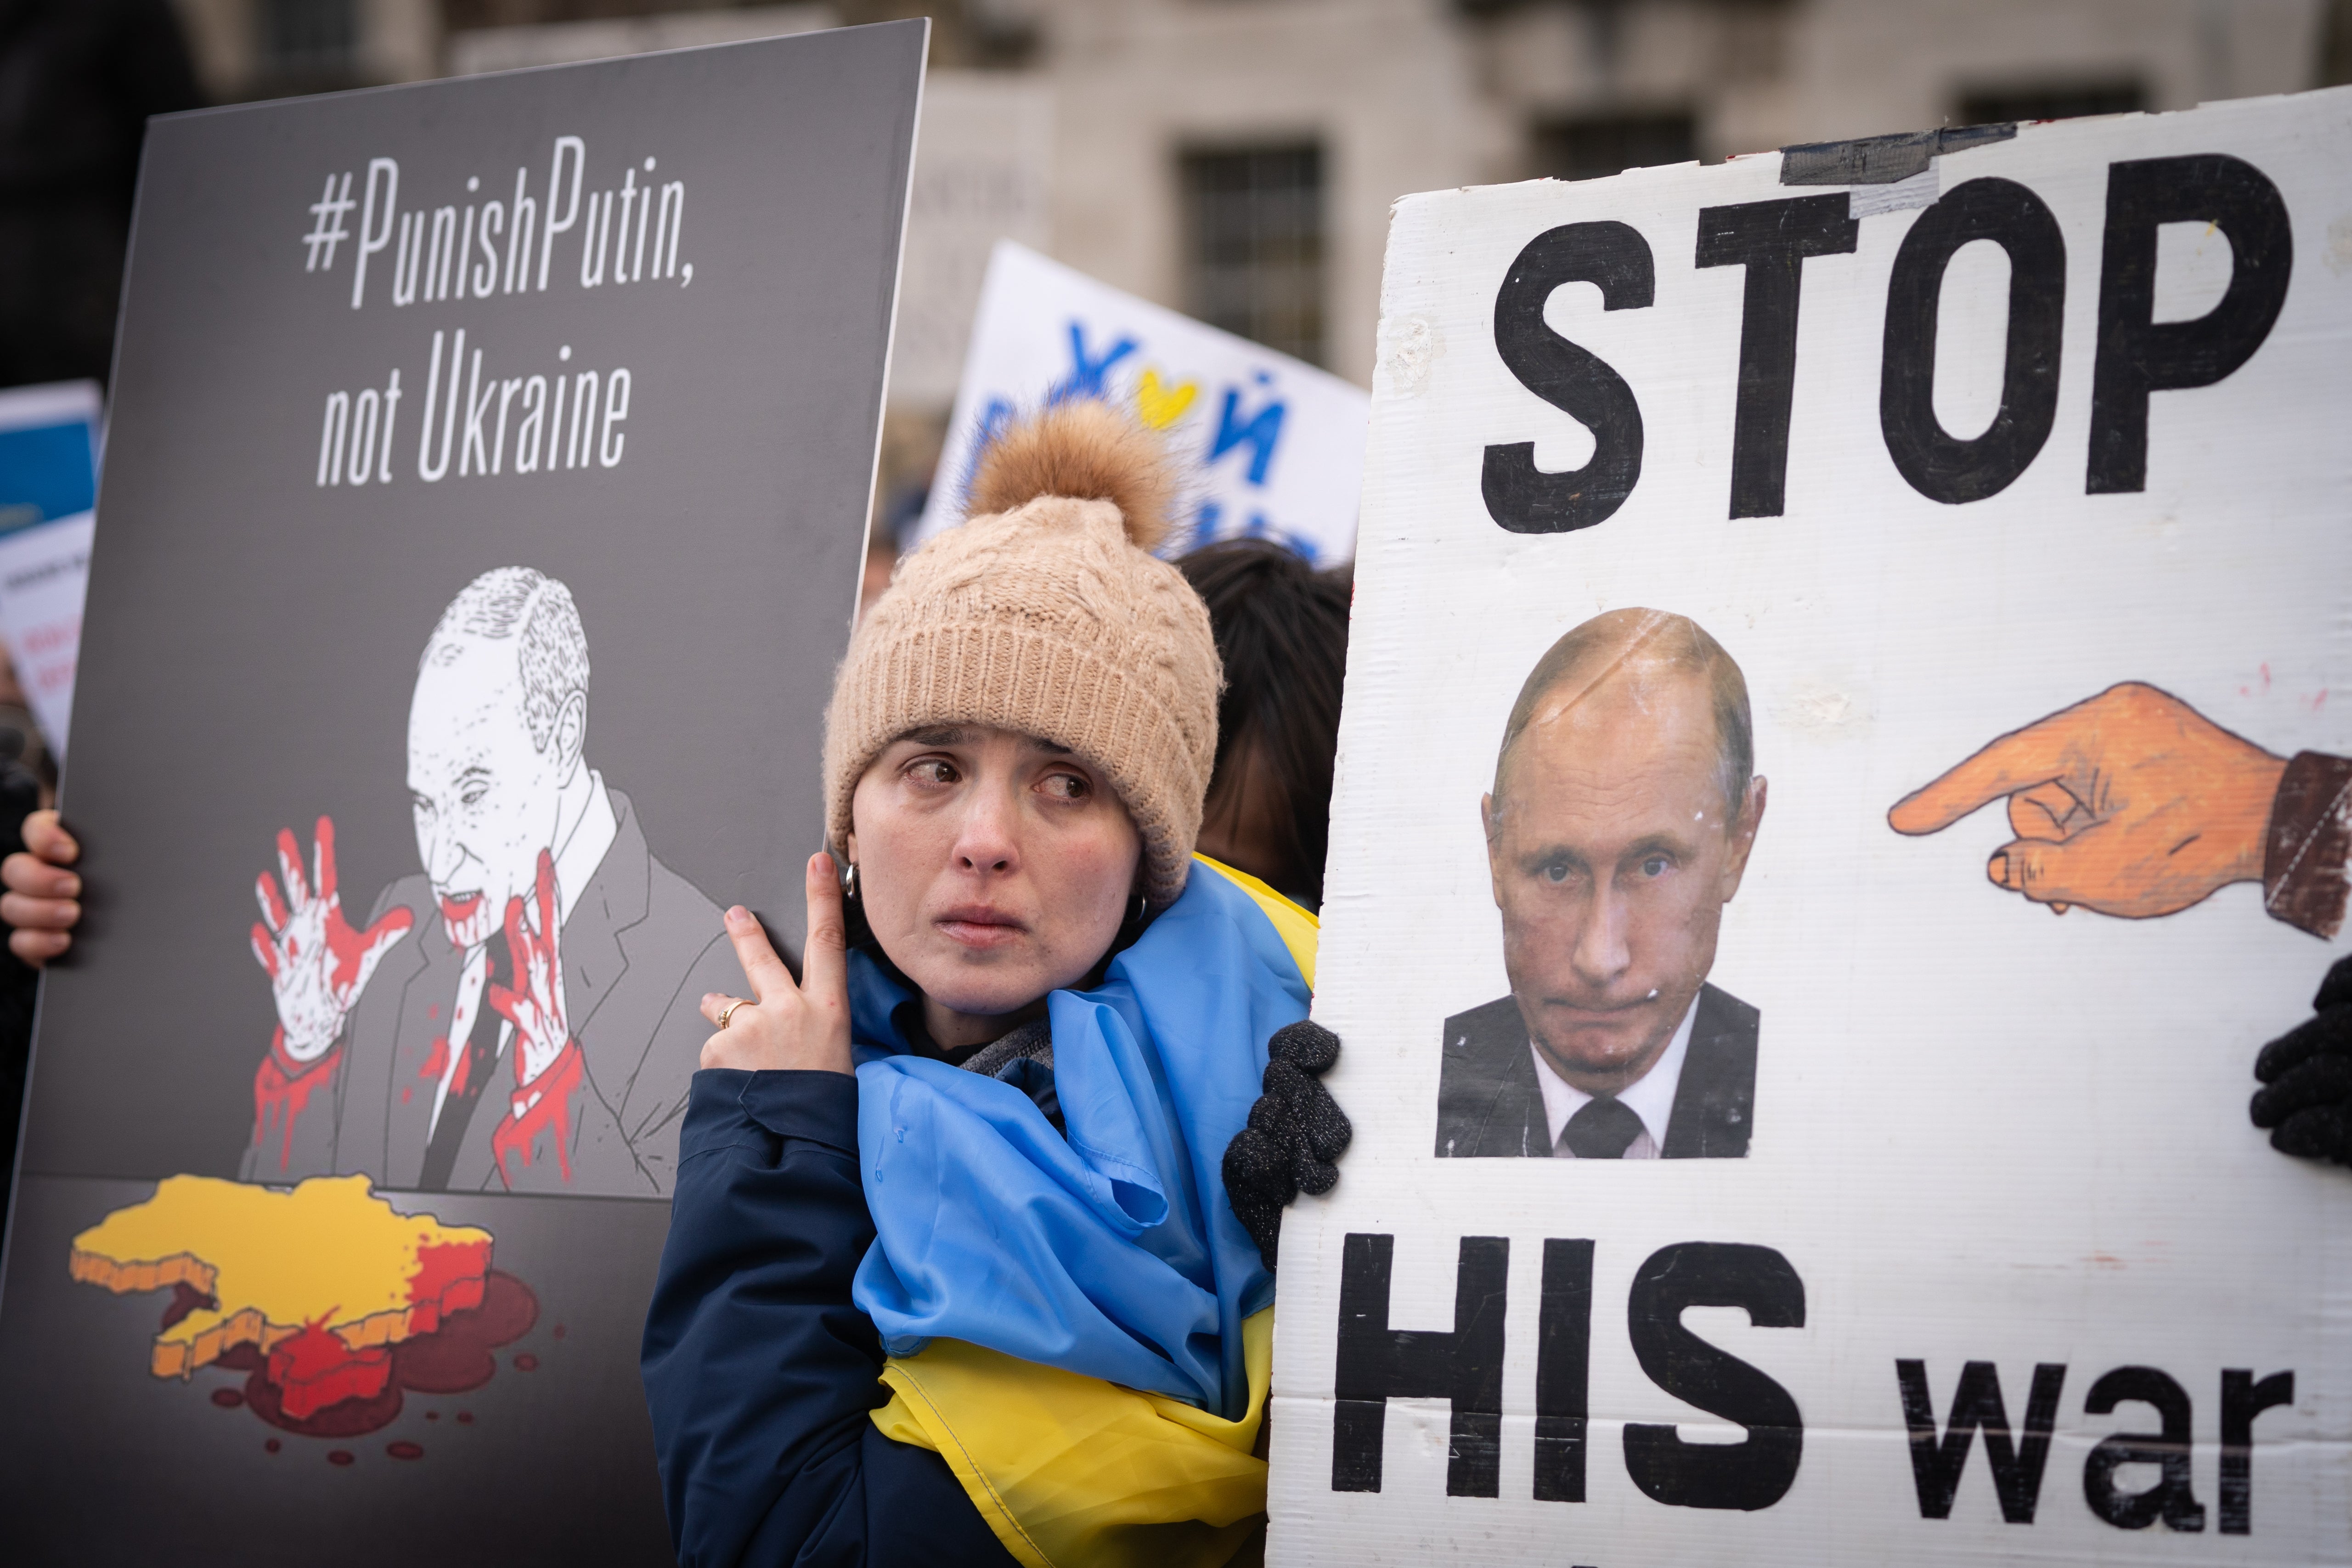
(473, 796)
(1065, 786)
(931, 771)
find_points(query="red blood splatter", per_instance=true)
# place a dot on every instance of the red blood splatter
(456, 1357)
(281, 1088)
(227, 1398)
(459, 1358)
(449, 1278)
(313, 1368)
(341, 1456)
(433, 1415)
(404, 1449)
(543, 1105)
(437, 1060)
(271, 1445)
(186, 1299)
(526, 1362)
(347, 1418)
(404, 1094)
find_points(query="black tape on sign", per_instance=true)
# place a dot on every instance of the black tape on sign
(1880, 160)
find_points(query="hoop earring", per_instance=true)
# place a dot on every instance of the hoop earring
(1142, 905)
(849, 884)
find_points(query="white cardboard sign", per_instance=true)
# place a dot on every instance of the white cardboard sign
(2005, 471)
(1274, 447)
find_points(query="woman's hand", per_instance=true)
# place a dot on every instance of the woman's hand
(43, 900)
(803, 1027)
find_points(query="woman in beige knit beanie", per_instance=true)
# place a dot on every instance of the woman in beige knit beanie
(1046, 1109)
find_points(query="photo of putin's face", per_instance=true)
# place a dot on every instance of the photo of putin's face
(1620, 823)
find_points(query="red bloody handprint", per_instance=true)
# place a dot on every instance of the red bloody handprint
(535, 1006)
(547, 1063)
(316, 963)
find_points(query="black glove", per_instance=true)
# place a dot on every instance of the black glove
(1295, 1130)
(2308, 1070)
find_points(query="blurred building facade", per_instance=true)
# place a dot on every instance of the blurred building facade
(1235, 159)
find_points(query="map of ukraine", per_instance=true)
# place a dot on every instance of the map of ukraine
(322, 1279)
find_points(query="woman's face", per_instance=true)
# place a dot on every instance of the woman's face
(994, 868)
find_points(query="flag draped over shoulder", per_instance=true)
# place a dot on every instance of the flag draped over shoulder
(1078, 1326)
(1111, 1252)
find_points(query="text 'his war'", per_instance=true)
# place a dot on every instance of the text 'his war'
(1376, 1364)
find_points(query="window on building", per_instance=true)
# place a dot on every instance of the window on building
(1253, 244)
(1996, 106)
(1582, 149)
(309, 38)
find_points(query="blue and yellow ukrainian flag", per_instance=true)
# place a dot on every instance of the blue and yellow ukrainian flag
(1079, 1324)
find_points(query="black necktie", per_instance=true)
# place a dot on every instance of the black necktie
(1603, 1129)
(481, 1058)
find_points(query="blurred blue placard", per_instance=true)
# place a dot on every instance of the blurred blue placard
(48, 484)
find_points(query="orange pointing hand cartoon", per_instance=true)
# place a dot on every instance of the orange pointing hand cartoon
(2132, 803)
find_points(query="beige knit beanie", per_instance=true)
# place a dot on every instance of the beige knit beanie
(1045, 613)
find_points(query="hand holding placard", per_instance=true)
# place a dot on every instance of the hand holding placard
(783, 1026)
(2306, 1099)
(2131, 802)
(43, 903)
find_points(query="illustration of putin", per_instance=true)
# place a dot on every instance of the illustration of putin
(521, 1014)
(1625, 808)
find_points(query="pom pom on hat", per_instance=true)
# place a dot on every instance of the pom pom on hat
(1085, 450)
(1046, 615)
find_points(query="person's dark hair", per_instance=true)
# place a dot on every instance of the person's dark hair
(1282, 633)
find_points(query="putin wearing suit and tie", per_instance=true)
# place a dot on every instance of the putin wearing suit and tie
(1623, 810)
(522, 1013)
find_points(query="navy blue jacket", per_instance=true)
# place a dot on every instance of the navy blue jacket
(758, 1369)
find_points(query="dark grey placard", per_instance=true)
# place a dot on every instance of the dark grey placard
(252, 636)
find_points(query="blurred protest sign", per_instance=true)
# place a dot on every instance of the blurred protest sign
(441, 414)
(1275, 446)
(48, 451)
(49, 482)
(43, 575)
(983, 162)
(1721, 1174)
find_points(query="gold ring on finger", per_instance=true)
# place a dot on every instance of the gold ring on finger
(728, 1012)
